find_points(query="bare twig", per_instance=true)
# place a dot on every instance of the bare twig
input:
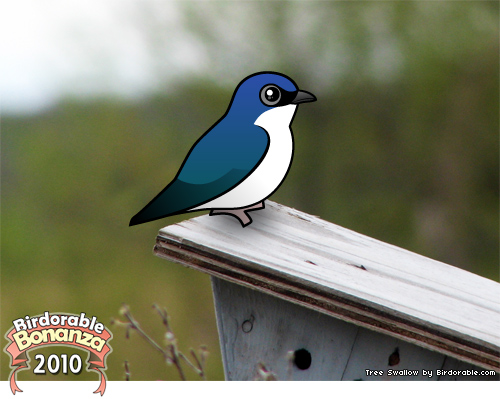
(171, 352)
(171, 341)
(134, 324)
(198, 362)
(203, 356)
(290, 358)
(163, 314)
(264, 374)
(127, 371)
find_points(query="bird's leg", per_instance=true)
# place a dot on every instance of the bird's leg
(240, 214)
(237, 213)
(255, 207)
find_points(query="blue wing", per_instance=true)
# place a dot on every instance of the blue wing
(218, 161)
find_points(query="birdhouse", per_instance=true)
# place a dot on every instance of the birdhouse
(298, 298)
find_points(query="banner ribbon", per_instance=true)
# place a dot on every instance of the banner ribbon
(23, 341)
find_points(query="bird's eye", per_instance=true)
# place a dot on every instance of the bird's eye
(270, 95)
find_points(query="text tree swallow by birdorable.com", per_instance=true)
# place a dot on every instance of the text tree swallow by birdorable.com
(242, 159)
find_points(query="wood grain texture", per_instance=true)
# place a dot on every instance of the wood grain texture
(333, 270)
(372, 351)
(255, 327)
(276, 327)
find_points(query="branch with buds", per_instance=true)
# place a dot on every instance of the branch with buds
(171, 353)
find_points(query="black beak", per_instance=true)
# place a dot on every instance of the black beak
(303, 97)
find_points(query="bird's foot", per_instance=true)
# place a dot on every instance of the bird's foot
(240, 214)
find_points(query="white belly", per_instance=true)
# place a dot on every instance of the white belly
(271, 171)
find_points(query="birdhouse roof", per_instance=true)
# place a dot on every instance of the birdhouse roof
(305, 260)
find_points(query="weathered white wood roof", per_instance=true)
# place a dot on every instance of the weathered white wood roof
(306, 260)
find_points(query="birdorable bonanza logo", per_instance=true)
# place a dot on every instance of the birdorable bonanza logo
(66, 329)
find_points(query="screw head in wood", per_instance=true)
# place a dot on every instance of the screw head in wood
(247, 326)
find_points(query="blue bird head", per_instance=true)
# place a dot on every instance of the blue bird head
(262, 91)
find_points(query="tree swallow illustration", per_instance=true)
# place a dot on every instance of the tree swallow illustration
(242, 159)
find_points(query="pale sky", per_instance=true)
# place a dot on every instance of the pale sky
(52, 48)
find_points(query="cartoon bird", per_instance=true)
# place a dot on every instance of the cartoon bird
(242, 159)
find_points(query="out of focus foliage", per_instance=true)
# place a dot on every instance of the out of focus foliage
(402, 145)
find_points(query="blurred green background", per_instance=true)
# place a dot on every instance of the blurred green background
(402, 145)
